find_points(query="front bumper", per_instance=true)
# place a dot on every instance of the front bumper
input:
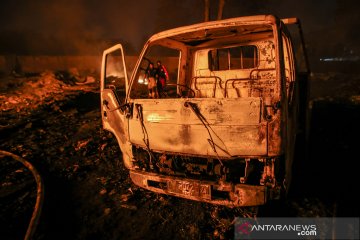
(232, 195)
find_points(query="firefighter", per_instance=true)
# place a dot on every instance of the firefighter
(151, 75)
(162, 77)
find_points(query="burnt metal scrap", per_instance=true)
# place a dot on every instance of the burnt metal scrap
(224, 128)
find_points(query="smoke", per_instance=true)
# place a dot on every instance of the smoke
(71, 26)
(86, 27)
(329, 26)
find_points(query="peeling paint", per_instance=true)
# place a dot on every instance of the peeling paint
(220, 143)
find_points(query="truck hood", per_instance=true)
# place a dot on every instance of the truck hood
(207, 127)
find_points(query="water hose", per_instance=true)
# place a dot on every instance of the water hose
(39, 197)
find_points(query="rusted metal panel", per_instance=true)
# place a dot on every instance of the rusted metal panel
(260, 20)
(216, 111)
(115, 122)
(274, 140)
(233, 129)
(246, 195)
(193, 139)
(238, 195)
(194, 189)
(234, 125)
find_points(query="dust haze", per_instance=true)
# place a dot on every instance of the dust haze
(87, 27)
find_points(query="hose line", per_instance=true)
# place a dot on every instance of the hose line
(40, 194)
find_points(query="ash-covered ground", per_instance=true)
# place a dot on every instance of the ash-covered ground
(54, 122)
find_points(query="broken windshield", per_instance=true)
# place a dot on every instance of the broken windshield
(157, 75)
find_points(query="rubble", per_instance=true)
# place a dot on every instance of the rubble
(131, 207)
(88, 192)
(31, 92)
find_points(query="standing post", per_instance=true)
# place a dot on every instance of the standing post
(207, 10)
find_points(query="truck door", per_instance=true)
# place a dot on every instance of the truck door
(113, 89)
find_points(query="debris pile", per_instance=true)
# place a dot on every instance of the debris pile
(88, 192)
(31, 92)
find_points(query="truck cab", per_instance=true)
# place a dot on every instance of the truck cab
(224, 127)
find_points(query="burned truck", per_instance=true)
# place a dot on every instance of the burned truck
(224, 129)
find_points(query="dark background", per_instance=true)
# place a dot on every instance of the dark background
(76, 206)
(86, 27)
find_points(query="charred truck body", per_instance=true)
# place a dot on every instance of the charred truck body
(224, 129)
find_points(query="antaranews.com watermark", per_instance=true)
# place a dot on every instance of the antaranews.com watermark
(297, 228)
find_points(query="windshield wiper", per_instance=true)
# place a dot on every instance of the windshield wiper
(207, 126)
(145, 134)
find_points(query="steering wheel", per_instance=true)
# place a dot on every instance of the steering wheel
(190, 93)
